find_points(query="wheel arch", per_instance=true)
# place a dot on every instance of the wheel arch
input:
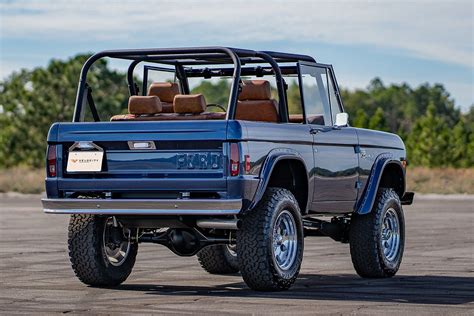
(284, 168)
(386, 172)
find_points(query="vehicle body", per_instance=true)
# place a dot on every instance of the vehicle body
(200, 182)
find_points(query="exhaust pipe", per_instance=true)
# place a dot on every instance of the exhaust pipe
(232, 224)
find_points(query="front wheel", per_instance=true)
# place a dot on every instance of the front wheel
(377, 239)
(270, 242)
(100, 250)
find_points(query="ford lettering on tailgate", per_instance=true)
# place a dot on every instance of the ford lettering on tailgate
(199, 161)
(118, 161)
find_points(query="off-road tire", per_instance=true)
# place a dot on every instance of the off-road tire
(87, 256)
(254, 242)
(365, 238)
(216, 259)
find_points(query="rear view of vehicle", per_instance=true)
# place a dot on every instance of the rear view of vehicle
(169, 170)
(238, 177)
(122, 185)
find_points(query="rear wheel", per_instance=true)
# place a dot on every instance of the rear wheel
(270, 242)
(219, 259)
(377, 239)
(100, 250)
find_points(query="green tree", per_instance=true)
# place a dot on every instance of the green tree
(469, 128)
(428, 142)
(459, 140)
(294, 98)
(216, 93)
(435, 131)
(32, 100)
(361, 119)
(377, 121)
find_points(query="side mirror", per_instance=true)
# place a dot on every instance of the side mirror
(342, 119)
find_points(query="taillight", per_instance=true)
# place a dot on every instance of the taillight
(247, 163)
(52, 161)
(234, 159)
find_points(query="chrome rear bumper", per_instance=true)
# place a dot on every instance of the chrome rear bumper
(143, 206)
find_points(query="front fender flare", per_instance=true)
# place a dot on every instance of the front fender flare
(269, 164)
(366, 202)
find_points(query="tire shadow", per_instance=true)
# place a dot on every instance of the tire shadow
(427, 289)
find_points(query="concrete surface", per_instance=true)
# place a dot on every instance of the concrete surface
(436, 276)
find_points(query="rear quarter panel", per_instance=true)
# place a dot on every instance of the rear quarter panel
(259, 139)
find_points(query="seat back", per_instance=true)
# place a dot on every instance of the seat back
(255, 102)
(144, 105)
(166, 91)
(189, 104)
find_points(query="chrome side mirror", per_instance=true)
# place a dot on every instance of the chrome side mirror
(342, 119)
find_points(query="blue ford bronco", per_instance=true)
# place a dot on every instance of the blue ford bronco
(240, 183)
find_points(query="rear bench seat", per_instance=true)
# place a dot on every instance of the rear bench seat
(185, 107)
(254, 104)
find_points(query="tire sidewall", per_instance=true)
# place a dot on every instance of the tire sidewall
(391, 267)
(292, 272)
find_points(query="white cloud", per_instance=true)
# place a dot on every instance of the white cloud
(426, 29)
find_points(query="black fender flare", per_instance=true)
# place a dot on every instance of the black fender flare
(269, 164)
(366, 201)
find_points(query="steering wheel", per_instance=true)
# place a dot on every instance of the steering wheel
(217, 106)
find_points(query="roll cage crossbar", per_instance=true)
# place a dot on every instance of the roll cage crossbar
(182, 57)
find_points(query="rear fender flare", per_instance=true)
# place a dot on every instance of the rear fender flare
(269, 164)
(366, 201)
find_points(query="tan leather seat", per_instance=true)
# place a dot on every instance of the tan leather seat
(166, 91)
(140, 106)
(186, 107)
(189, 104)
(255, 102)
(295, 118)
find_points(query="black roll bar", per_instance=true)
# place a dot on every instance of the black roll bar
(131, 85)
(180, 57)
(280, 85)
(144, 52)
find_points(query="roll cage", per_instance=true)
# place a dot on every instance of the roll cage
(184, 58)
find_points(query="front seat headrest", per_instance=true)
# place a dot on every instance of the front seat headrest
(189, 104)
(166, 91)
(255, 90)
(140, 105)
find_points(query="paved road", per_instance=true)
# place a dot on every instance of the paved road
(436, 277)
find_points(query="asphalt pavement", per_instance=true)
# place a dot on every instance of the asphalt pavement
(436, 276)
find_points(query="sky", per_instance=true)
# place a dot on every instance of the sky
(415, 41)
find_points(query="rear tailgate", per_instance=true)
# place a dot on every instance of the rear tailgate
(185, 156)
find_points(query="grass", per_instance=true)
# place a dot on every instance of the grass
(22, 180)
(440, 180)
(420, 180)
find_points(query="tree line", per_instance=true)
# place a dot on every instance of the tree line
(435, 131)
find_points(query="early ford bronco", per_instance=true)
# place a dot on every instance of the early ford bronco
(239, 182)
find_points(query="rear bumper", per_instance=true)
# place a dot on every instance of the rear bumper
(143, 206)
